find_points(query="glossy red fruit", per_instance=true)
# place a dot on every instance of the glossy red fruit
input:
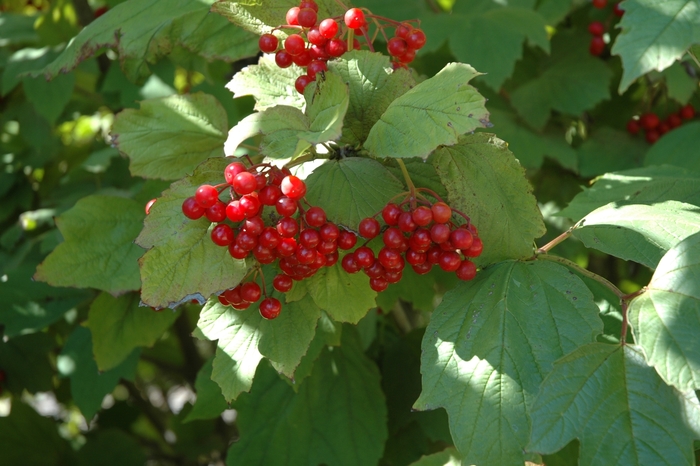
(254, 225)
(270, 308)
(293, 187)
(301, 83)
(329, 232)
(149, 204)
(235, 211)
(408, 56)
(442, 213)
(364, 256)
(316, 67)
(233, 296)
(285, 206)
(222, 235)
(216, 213)
(390, 259)
(315, 37)
(633, 126)
(287, 227)
(264, 255)
(287, 247)
(206, 195)
(240, 307)
(439, 233)
(449, 261)
(332, 259)
(318, 52)
(393, 238)
(328, 28)
(244, 183)
(466, 270)
(293, 15)
(246, 240)
(260, 181)
(349, 265)
(375, 270)
(403, 30)
(597, 46)
(420, 239)
(283, 59)
(393, 276)
(422, 216)
(649, 121)
(192, 209)
(414, 258)
(354, 18)
(674, 120)
(315, 217)
(687, 112)
(251, 204)
(396, 46)
(596, 28)
(327, 247)
(617, 10)
(251, 292)
(652, 136)
(305, 255)
(308, 4)
(378, 284)
(415, 39)
(406, 223)
(369, 228)
(237, 252)
(600, 4)
(268, 43)
(233, 169)
(294, 44)
(282, 283)
(422, 269)
(336, 47)
(309, 238)
(269, 195)
(475, 249)
(98, 12)
(347, 239)
(390, 214)
(269, 238)
(223, 300)
(303, 59)
(461, 238)
(307, 17)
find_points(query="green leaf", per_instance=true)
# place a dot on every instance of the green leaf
(636, 231)
(639, 185)
(615, 404)
(110, 447)
(489, 345)
(49, 97)
(145, 30)
(24, 61)
(167, 138)
(338, 417)
(25, 361)
(99, 250)
(609, 150)
(654, 35)
(676, 147)
(419, 290)
(119, 325)
(680, 85)
(88, 384)
(210, 402)
(449, 457)
(373, 87)
(269, 84)
(485, 182)
(571, 81)
(244, 337)
(17, 29)
(345, 297)
(32, 439)
(287, 132)
(328, 333)
(666, 318)
(351, 189)
(435, 112)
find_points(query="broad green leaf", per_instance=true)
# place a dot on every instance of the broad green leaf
(17, 29)
(99, 250)
(422, 174)
(449, 457)
(24, 61)
(287, 132)
(489, 345)
(609, 150)
(328, 333)
(666, 318)
(110, 447)
(25, 361)
(654, 35)
(642, 232)
(32, 439)
(269, 84)
(119, 325)
(89, 385)
(615, 404)
(485, 182)
(49, 97)
(345, 297)
(145, 30)
(167, 138)
(244, 338)
(571, 81)
(641, 185)
(351, 189)
(210, 402)
(338, 416)
(435, 112)
(680, 85)
(373, 87)
(677, 148)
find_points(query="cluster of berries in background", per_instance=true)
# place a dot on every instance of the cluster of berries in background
(422, 236)
(315, 42)
(266, 216)
(598, 29)
(654, 127)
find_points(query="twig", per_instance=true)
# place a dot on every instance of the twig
(547, 247)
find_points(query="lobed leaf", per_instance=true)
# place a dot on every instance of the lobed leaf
(269, 84)
(677, 148)
(609, 150)
(210, 402)
(489, 345)
(666, 318)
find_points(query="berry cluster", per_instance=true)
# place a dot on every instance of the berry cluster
(597, 29)
(654, 127)
(318, 41)
(300, 238)
(421, 236)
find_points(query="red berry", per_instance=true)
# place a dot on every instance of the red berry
(449, 261)
(663, 128)
(307, 17)
(600, 4)
(235, 211)
(287, 247)
(282, 283)
(233, 296)
(250, 292)
(216, 213)
(244, 305)
(408, 56)
(223, 300)
(233, 169)
(237, 252)
(354, 18)
(327, 247)
(316, 67)
(396, 46)
(315, 217)
(406, 223)
(285, 206)
(415, 258)
(652, 136)
(293, 15)
(301, 83)
(422, 216)
(378, 284)
(269, 238)
(439, 233)
(390, 214)
(268, 43)
(149, 204)
(461, 238)
(332, 259)
(294, 44)
(246, 240)
(269, 195)
(596, 28)
(315, 37)
(674, 120)
(270, 308)
(244, 183)
(329, 232)
(293, 187)
(349, 265)
(318, 52)
(393, 238)
(347, 240)
(687, 112)
(369, 228)
(415, 39)
(309, 238)
(283, 59)
(303, 59)
(420, 240)
(222, 235)
(336, 47)
(475, 249)
(466, 270)
(305, 255)
(633, 126)
(422, 269)
(389, 258)
(403, 30)
(597, 46)
(617, 10)
(254, 226)
(264, 255)
(328, 28)
(251, 204)
(393, 276)
(364, 256)
(206, 195)
(441, 212)
(260, 181)
(192, 209)
(97, 13)
(375, 270)
(649, 121)
(309, 4)
(287, 227)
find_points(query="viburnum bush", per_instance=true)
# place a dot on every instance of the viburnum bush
(306, 232)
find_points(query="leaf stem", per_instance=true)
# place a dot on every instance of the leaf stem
(695, 59)
(559, 239)
(594, 276)
(409, 182)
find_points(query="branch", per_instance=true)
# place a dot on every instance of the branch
(548, 247)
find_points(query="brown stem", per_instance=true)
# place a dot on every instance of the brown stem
(547, 247)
